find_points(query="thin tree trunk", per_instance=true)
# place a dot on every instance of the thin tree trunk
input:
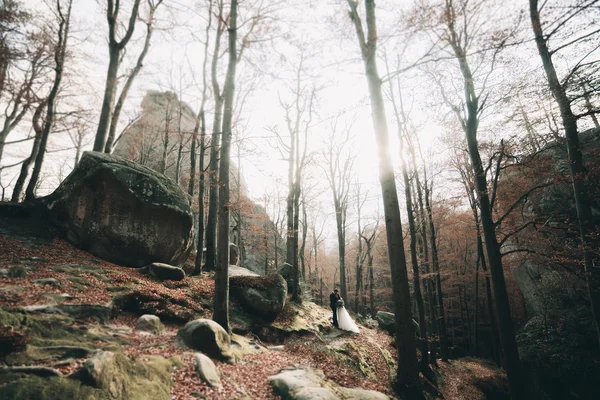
(415, 266)
(38, 129)
(201, 124)
(505, 322)
(59, 61)
(579, 176)
(221, 299)
(436, 269)
(213, 174)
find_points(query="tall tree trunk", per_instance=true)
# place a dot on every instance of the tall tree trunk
(505, 322)
(579, 177)
(415, 266)
(436, 269)
(341, 235)
(59, 63)
(407, 378)
(201, 124)
(213, 175)
(221, 299)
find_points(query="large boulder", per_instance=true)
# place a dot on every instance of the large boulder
(123, 212)
(164, 272)
(263, 296)
(206, 336)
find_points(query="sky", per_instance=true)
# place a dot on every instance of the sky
(321, 28)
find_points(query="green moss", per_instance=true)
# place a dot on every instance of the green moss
(17, 272)
(27, 387)
(79, 281)
(126, 378)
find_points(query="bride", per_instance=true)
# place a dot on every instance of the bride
(345, 322)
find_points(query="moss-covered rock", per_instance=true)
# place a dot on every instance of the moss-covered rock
(149, 323)
(123, 212)
(125, 378)
(31, 387)
(80, 311)
(263, 296)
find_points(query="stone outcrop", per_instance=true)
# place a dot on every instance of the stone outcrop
(123, 212)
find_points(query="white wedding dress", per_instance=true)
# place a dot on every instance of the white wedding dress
(345, 322)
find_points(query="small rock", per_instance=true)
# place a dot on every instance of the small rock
(164, 272)
(4, 273)
(47, 281)
(149, 323)
(206, 336)
(310, 384)
(207, 370)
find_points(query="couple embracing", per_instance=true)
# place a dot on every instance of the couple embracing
(341, 318)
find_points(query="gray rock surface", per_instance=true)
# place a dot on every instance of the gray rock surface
(386, 321)
(287, 271)
(263, 296)
(206, 336)
(123, 212)
(207, 370)
(95, 311)
(310, 384)
(149, 323)
(164, 272)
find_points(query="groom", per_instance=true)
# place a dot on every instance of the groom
(333, 300)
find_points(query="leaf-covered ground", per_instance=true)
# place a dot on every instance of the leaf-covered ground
(364, 360)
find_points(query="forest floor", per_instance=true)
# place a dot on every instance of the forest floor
(37, 268)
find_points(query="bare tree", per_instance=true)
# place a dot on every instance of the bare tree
(338, 170)
(63, 18)
(20, 95)
(579, 175)
(116, 113)
(116, 48)
(201, 125)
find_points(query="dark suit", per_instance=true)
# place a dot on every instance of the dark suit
(333, 303)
